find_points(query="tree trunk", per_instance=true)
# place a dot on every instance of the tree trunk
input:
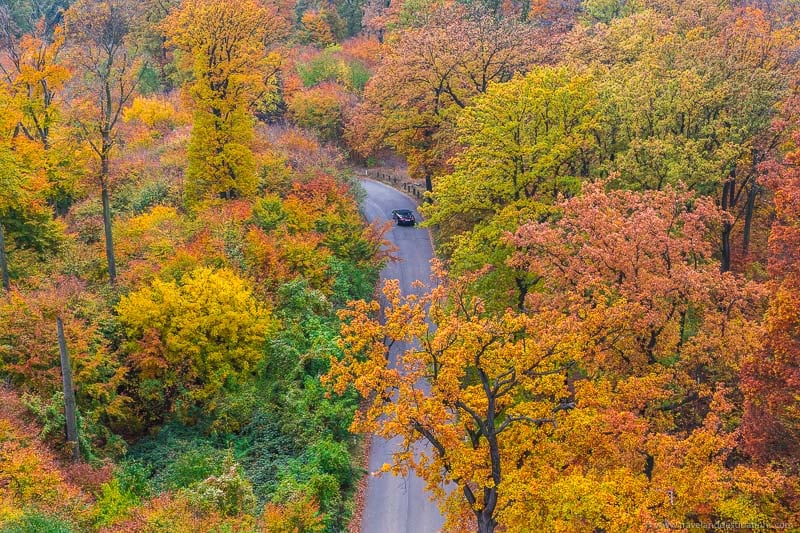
(112, 265)
(727, 227)
(486, 523)
(749, 209)
(725, 264)
(162, 63)
(522, 288)
(69, 394)
(3, 261)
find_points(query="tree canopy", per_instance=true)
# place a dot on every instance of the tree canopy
(609, 341)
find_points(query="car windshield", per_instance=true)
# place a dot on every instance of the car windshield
(403, 212)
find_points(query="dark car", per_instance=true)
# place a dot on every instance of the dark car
(404, 217)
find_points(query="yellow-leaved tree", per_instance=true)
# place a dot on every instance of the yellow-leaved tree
(525, 142)
(234, 74)
(479, 388)
(189, 340)
(28, 232)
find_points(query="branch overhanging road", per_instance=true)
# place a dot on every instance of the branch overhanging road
(398, 504)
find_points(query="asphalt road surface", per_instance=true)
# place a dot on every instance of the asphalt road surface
(398, 504)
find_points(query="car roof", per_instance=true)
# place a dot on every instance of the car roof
(403, 211)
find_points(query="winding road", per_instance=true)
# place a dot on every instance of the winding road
(398, 504)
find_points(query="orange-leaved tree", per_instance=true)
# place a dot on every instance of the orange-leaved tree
(610, 401)
(29, 353)
(428, 74)
(771, 378)
(100, 50)
(35, 76)
(28, 232)
(655, 434)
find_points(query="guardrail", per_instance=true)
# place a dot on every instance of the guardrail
(411, 188)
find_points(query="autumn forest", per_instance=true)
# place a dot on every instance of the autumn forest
(198, 331)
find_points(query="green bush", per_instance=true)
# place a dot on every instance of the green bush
(49, 414)
(132, 477)
(268, 213)
(37, 522)
(178, 456)
(264, 450)
(327, 491)
(195, 464)
(229, 493)
(359, 76)
(333, 458)
(232, 410)
(137, 197)
(113, 503)
(328, 66)
(324, 472)
(95, 438)
(149, 195)
(607, 10)
(351, 282)
(322, 416)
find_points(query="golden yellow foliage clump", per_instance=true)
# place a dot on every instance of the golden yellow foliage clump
(188, 340)
(234, 74)
(156, 113)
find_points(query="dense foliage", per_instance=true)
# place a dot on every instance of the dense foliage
(613, 196)
(135, 149)
(611, 340)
